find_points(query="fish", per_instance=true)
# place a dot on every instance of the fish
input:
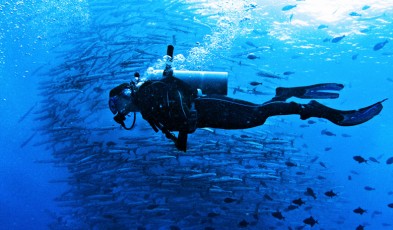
(28, 139)
(354, 14)
(387, 53)
(291, 207)
(264, 73)
(278, 215)
(322, 26)
(322, 164)
(368, 188)
(376, 213)
(359, 211)
(389, 161)
(314, 159)
(27, 113)
(213, 214)
(326, 40)
(390, 205)
(267, 197)
(299, 202)
(311, 122)
(288, 73)
(310, 192)
(355, 56)
(290, 164)
(229, 200)
(374, 160)
(337, 39)
(345, 135)
(380, 45)
(243, 224)
(255, 83)
(251, 44)
(328, 149)
(321, 178)
(360, 227)
(252, 56)
(330, 194)
(288, 7)
(310, 221)
(327, 133)
(365, 7)
(360, 159)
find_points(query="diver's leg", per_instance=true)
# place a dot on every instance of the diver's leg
(317, 91)
(228, 113)
(339, 117)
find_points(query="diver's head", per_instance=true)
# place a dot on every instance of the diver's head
(122, 99)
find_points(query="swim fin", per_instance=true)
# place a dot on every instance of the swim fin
(339, 117)
(317, 91)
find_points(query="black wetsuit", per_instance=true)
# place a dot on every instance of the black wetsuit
(172, 105)
(168, 106)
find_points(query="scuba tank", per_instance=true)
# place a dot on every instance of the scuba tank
(209, 82)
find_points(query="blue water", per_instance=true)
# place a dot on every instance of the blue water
(64, 164)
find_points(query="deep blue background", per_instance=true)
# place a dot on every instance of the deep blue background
(30, 30)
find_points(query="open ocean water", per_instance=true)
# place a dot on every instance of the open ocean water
(65, 164)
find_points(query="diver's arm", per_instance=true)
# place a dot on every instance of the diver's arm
(181, 143)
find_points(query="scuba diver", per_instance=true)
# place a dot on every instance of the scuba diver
(170, 104)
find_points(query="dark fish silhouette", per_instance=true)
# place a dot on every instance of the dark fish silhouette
(368, 188)
(360, 159)
(267, 197)
(321, 178)
(389, 161)
(310, 221)
(291, 207)
(310, 192)
(328, 149)
(322, 26)
(390, 205)
(375, 213)
(252, 56)
(380, 45)
(255, 83)
(354, 14)
(374, 160)
(327, 133)
(345, 135)
(314, 159)
(330, 194)
(213, 214)
(337, 39)
(290, 164)
(359, 211)
(299, 202)
(365, 7)
(360, 227)
(174, 227)
(311, 122)
(322, 164)
(288, 7)
(229, 200)
(288, 73)
(243, 224)
(278, 215)
(355, 56)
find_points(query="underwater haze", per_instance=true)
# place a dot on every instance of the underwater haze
(65, 164)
